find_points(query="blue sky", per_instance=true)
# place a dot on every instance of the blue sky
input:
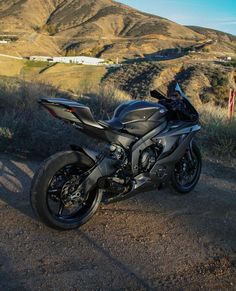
(217, 14)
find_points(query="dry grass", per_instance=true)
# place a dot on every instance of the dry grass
(218, 134)
(10, 67)
(69, 77)
(76, 78)
(104, 100)
(26, 128)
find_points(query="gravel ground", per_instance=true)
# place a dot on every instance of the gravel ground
(155, 241)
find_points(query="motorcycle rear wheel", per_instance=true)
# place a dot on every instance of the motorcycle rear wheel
(46, 191)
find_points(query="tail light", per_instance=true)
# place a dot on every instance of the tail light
(71, 110)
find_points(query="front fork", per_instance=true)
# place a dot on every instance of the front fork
(190, 154)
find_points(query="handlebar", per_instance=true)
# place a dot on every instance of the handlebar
(178, 102)
(157, 95)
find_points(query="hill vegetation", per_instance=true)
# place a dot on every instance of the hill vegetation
(203, 83)
(23, 119)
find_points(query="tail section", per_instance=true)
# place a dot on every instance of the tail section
(71, 111)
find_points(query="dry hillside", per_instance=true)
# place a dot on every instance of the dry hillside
(91, 27)
(108, 29)
(203, 82)
(223, 42)
(215, 34)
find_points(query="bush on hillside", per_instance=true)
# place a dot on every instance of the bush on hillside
(231, 63)
(104, 101)
(25, 127)
(52, 29)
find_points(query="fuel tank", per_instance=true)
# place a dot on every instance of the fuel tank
(140, 117)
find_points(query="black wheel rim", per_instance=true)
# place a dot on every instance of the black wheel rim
(58, 205)
(187, 170)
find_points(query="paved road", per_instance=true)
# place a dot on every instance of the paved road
(156, 241)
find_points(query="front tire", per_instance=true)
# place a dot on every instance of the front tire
(72, 164)
(180, 182)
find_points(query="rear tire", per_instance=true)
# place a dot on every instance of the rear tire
(39, 191)
(188, 187)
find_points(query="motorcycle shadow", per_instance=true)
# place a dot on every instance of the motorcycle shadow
(15, 180)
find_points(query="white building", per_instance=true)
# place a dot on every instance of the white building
(3, 41)
(79, 60)
(69, 60)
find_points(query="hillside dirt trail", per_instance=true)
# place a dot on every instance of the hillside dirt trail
(155, 241)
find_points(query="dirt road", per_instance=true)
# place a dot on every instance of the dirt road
(156, 241)
(11, 57)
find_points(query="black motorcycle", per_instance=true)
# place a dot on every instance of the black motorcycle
(149, 145)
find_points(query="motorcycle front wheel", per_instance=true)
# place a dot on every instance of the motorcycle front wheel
(187, 171)
(52, 192)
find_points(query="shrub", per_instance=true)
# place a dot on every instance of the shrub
(206, 50)
(231, 63)
(36, 28)
(52, 29)
(5, 136)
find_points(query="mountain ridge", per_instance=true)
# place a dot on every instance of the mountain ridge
(98, 28)
(87, 26)
(214, 33)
